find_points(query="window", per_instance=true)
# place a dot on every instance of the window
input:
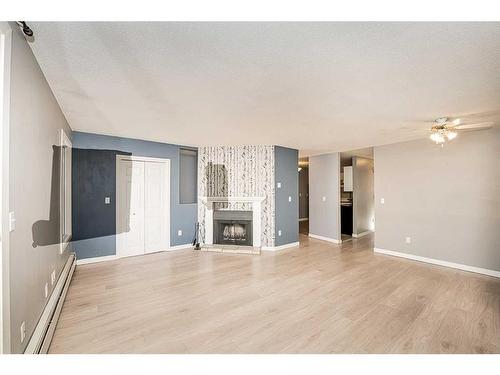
(65, 195)
(188, 176)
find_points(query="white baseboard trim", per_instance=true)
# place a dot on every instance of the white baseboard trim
(79, 262)
(44, 329)
(180, 247)
(463, 267)
(281, 247)
(304, 219)
(322, 238)
(354, 235)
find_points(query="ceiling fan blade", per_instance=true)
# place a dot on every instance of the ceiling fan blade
(477, 126)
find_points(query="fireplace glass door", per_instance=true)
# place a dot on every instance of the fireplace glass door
(233, 232)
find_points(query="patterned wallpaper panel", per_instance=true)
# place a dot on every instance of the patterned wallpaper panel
(238, 171)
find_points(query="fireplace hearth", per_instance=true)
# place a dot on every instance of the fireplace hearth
(232, 227)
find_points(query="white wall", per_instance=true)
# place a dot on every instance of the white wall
(324, 196)
(446, 199)
(35, 124)
(5, 51)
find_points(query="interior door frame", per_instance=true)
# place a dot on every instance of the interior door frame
(65, 238)
(119, 192)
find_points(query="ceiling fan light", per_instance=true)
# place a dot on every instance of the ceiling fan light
(437, 137)
(451, 135)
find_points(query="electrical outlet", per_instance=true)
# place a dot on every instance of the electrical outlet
(53, 277)
(382, 200)
(279, 233)
(107, 200)
(278, 185)
(46, 290)
(323, 199)
(179, 232)
(289, 198)
(22, 330)
(12, 221)
(408, 239)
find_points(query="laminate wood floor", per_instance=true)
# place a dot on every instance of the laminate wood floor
(319, 298)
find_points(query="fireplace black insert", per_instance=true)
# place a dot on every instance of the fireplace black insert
(233, 227)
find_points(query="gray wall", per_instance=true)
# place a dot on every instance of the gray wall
(363, 210)
(188, 176)
(35, 123)
(93, 222)
(182, 216)
(286, 212)
(446, 199)
(324, 181)
(304, 193)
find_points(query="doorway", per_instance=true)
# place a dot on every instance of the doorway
(303, 169)
(142, 205)
(356, 193)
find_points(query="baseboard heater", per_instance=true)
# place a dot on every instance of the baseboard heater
(42, 336)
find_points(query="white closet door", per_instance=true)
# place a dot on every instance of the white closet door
(156, 207)
(131, 236)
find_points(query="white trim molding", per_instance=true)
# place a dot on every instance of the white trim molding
(142, 158)
(64, 192)
(323, 238)
(281, 247)
(362, 234)
(180, 247)
(105, 258)
(443, 263)
(206, 200)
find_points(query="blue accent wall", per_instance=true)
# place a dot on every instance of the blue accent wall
(287, 213)
(94, 177)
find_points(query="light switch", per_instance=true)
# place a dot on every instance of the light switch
(278, 185)
(289, 198)
(408, 239)
(23, 331)
(12, 221)
(382, 200)
(107, 200)
(179, 232)
(323, 199)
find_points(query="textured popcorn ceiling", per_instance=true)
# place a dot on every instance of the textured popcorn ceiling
(317, 87)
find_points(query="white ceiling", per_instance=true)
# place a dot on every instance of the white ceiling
(317, 87)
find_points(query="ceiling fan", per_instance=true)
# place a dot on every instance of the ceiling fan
(446, 129)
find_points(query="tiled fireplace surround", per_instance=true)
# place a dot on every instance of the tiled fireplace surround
(237, 178)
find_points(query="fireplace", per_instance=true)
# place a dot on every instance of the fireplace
(232, 227)
(211, 230)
